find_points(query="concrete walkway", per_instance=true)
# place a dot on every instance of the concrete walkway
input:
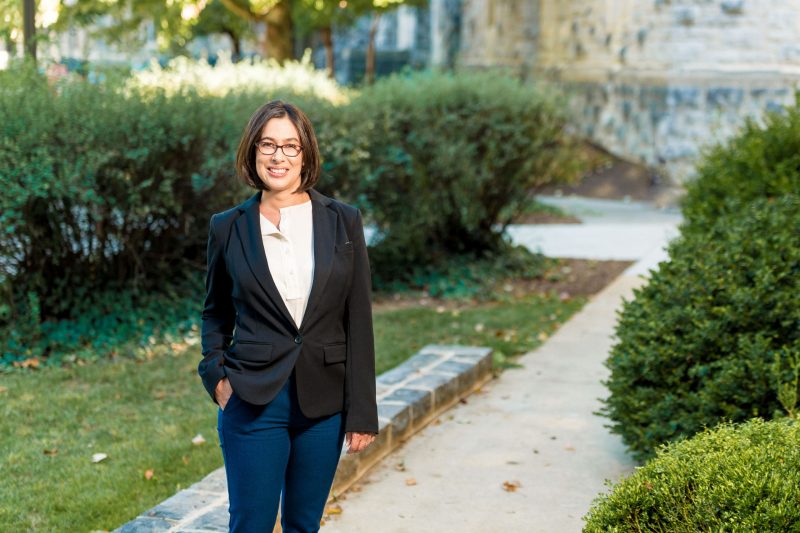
(527, 452)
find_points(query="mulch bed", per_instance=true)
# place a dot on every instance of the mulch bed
(568, 278)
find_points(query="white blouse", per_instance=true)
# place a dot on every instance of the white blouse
(290, 255)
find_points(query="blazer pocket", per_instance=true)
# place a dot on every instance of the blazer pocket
(335, 353)
(252, 351)
(344, 247)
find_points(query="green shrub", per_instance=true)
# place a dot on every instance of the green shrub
(731, 478)
(714, 334)
(105, 190)
(761, 161)
(442, 163)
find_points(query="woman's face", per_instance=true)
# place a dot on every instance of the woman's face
(279, 171)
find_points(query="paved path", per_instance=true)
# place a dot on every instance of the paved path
(532, 430)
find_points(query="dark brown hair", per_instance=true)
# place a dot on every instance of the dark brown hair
(246, 153)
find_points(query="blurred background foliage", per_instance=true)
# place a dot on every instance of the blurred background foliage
(107, 187)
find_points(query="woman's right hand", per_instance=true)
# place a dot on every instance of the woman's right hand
(223, 392)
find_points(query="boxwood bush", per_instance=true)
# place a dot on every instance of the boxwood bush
(731, 478)
(761, 161)
(443, 162)
(715, 333)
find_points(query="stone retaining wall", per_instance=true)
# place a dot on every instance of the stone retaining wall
(409, 397)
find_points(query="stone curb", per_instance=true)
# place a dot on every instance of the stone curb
(409, 397)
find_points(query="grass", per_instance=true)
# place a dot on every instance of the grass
(144, 414)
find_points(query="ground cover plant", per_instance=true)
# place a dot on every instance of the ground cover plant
(730, 478)
(715, 333)
(144, 409)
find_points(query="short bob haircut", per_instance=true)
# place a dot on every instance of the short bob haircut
(246, 153)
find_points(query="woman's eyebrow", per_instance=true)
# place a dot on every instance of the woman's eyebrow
(271, 139)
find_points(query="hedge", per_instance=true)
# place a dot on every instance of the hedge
(731, 478)
(715, 333)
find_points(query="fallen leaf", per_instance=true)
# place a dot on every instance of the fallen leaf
(50, 451)
(33, 362)
(333, 508)
(542, 336)
(185, 459)
(198, 440)
(569, 448)
(511, 486)
(462, 400)
(148, 474)
(97, 457)
(400, 467)
(3, 389)
(411, 481)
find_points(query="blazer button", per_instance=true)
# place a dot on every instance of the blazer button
(298, 339)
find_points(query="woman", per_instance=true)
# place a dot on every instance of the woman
(288, 351)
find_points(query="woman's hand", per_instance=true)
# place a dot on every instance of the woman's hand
(223, 392)
(356, 442)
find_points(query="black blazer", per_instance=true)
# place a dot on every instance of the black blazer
(249, 336)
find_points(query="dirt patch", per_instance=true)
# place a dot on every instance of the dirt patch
(567, 278)
(573, 277)
(613, 178)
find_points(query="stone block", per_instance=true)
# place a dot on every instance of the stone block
(446, 389)
(214, 482)
(216, 519)
(474, 354)
(144, 524)
(724, 97)
(419, 401)
(400, 415)
(181, 504)
(732, 7)
(422, 359)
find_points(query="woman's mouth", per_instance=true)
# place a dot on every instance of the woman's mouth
(277, 171)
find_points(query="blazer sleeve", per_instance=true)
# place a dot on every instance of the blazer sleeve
(361, 411)
(218, 317)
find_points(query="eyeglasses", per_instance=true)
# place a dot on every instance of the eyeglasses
(269, 148)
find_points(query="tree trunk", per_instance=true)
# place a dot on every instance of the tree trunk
(236, 54)
(369, 69)
(29, 27)
(278, 42)
(327, 40)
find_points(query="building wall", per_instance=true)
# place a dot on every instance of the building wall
(656, 80)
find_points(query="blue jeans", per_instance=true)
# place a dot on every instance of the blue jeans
(271, 450)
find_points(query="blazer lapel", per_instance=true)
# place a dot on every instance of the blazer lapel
(324, 227)
(249, 228)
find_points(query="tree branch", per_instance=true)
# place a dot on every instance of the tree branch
(244, 12)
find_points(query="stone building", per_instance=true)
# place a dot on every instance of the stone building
(653, 81)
